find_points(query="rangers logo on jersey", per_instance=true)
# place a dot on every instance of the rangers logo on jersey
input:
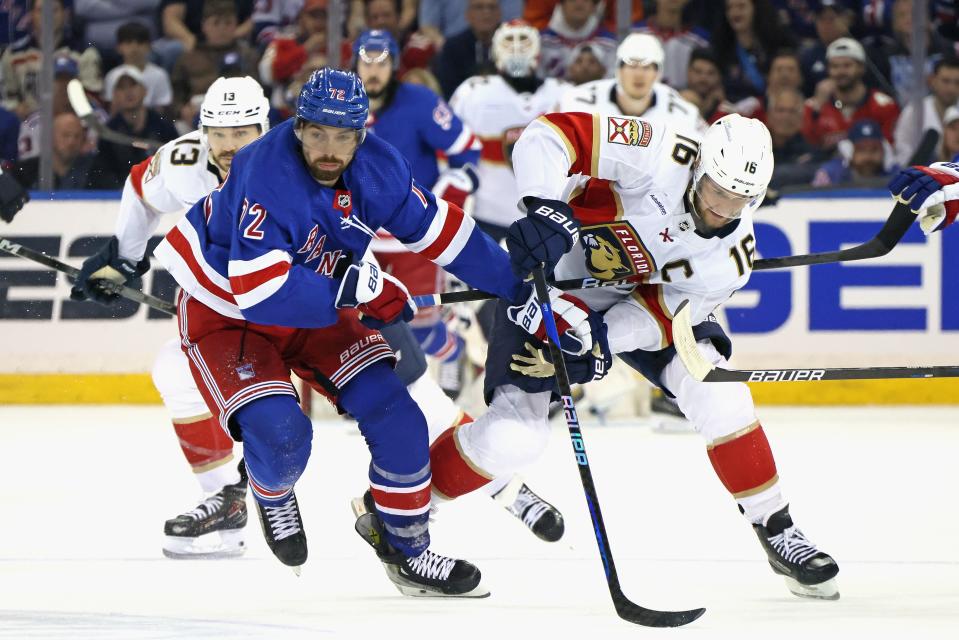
(629, 132)
(615, 251)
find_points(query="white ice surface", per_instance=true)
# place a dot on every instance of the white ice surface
(84, 493)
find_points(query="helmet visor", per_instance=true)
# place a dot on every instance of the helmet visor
(713, 198)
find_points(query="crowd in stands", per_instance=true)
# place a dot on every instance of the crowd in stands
(832, 79)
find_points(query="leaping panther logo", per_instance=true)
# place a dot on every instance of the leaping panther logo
(604, 259)
(614, 250)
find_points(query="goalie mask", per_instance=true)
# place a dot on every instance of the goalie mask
(515, 48)
(733, 168)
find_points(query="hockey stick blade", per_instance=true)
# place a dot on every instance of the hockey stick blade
(888, 237)
(84, 110)
(703, 370)
(123, 291)
(625, 609)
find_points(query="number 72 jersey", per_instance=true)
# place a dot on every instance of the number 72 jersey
(626, 180)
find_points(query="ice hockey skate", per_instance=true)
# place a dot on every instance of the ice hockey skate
(809, 573)
(283, 530)
(539, 516)
(212, 530)
(668, 417)
(428, 575)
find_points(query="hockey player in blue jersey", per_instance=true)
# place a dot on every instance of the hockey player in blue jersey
(272, 275)
(420, 125)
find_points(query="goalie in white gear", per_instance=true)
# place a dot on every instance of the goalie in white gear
(497, 108)
(679, 215)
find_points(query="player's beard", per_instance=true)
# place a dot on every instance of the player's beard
(326, 175)
(224, 161)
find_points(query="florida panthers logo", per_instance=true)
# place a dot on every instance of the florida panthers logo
(615, 251)
(629, 132)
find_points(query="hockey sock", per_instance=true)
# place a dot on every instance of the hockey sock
(745, 465)
(396, 434)
(439, 342)
(277, 439)
(208, 449)
(454, 474)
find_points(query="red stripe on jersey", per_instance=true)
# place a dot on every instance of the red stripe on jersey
(405, 501)
(250, 281)
(136, 175)
(745, 464)
(492, 150)
(182, 246)
(419, 194)
(452, 224)
(651, 295)
(597, 203)
(578, 129)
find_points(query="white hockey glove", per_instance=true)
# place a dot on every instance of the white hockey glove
(457, 186)
(574, 320)
(381, 298)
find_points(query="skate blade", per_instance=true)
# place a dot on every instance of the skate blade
(671, 425)
(359, 509)
(414, 590)
(827, 590)
(217, 545)
(297, 570)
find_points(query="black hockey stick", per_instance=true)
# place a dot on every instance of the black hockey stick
(888, 237)
(121, 290)
(84, 110)
(705, 371)
(627, 610)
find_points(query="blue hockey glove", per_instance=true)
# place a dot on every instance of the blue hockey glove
(588, 367)
(574, 319)
(378, 296)
(103, 268)
(931, 192)
(544, 236)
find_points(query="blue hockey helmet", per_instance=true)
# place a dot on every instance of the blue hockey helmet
(372, 46)
(334, 98)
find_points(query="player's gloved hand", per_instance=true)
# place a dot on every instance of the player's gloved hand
(574, 320)
(381, 298)
(12, 197)
(591, 366)
(544, 236)
(103, 269)
(457, 185)
(931, 192)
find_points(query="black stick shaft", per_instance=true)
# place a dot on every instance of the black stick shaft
(124, 291)
(624, 607)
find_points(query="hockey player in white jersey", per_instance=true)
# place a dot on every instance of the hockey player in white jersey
(497, 108)
(636, 89)
(681, 218)
(233, 114)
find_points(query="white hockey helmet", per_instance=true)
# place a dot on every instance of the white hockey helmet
(515, 48)
(235, 102)
(641, 48)
(735, 156)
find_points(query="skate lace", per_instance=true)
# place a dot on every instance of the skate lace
(529, 507)
(283, 519)
(793, 545)
(432, 565)
(206, 508)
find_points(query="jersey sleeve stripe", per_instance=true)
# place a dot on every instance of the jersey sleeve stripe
(464, 141)
(491, 150)
(184, 240)
(253, 281)
(447, 235)
(136, 176)
(579, 132)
